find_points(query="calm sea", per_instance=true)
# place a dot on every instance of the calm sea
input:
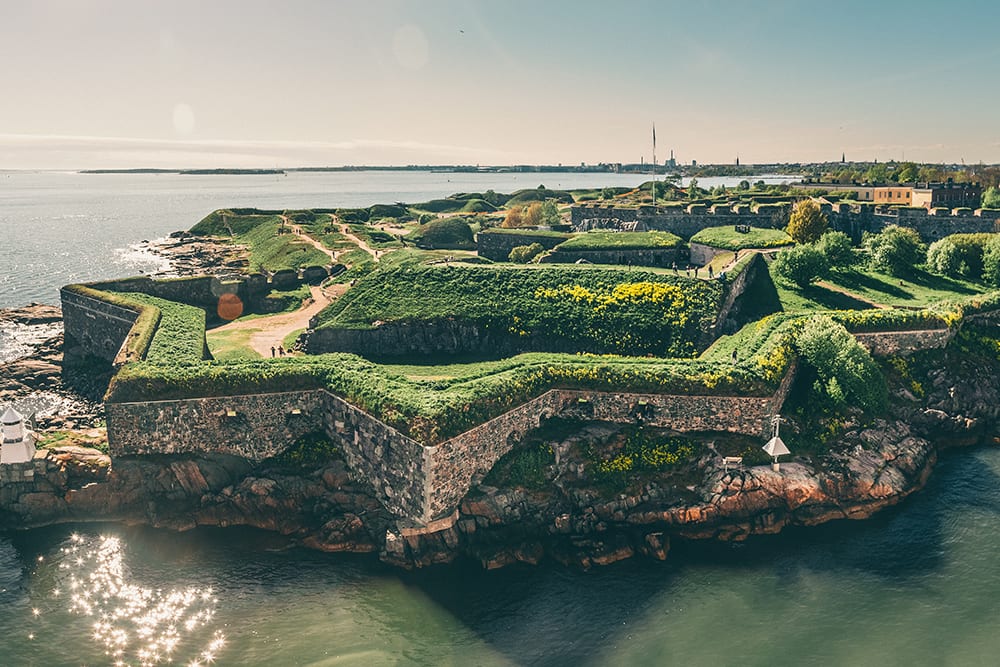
(916, 585)
(64, 227)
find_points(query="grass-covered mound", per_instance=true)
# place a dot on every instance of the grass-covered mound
(271, 244)
(447, 233)
(621, 241)
(565, 309)
(727, 238)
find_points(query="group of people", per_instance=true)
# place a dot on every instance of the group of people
(280, 351)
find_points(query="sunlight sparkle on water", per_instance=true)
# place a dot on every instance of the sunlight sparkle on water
(136, 625)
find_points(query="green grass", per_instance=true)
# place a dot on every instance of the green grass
(268, 249)
(232, 345)
(288, 342)
(605, 311)
(728, 238)
(545, 233)
(180, 334)
(621, 241)
(864, 287)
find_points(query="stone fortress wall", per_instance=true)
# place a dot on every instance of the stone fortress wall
(416, 483)
(686, 222)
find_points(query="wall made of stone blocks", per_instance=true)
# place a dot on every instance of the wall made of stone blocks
(98, 327)
(662, 257)
(456, 464)
(497, 247)
(903, 343)
(391, 462)
(255, 427)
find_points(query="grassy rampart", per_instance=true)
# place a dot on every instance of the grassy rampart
(621, 241)
(584, 309)
(727, 238)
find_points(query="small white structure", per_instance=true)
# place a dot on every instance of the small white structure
(18, 442)
(776, 446)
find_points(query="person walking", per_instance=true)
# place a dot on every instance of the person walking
(272, 352)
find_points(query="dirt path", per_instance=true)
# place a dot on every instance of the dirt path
(297, 230)
(346, 231)
(268, 332)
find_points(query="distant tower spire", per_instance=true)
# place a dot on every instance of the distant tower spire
(737, 160)
(654, 148)
(843, 158)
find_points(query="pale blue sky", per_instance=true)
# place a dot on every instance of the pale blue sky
(126, 83)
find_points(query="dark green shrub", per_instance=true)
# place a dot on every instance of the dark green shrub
(802, 264)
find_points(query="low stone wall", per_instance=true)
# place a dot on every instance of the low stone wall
(400, 339)
(98, 327)
(200, 291)
(662, 257)
(903, 343)
(457, 464)
(497, 246)
(255, 426)
(702, 254)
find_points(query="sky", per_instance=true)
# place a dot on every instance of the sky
(242, 83)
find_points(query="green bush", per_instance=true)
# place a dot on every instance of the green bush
(959, 255)
(846, 372)
(523, 254)
(991, 261)
(837, 248)
(895, 250)
(802, 264)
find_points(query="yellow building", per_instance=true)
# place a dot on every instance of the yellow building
(899, 195)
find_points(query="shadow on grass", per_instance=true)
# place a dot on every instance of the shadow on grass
(857, 280)
(832, 299)
(942, 283)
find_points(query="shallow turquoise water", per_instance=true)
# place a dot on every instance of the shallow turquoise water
(917, 584)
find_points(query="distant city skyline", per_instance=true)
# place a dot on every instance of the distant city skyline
(116, 84)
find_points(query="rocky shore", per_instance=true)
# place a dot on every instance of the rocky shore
(190, 255)
(868, 467)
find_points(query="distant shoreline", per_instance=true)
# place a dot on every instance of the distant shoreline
(193, 172)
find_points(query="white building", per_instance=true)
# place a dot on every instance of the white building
(18, 442)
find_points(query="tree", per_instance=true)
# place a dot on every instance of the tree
(895, 249)
(807, 222)
(845, 371)
(743, 185)
(991, 261)
(991, 198)
(523, 254)
(801, 264)
(837, 248)
(906, 172)
(943, 257)
(514, 217)
(550, 213)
